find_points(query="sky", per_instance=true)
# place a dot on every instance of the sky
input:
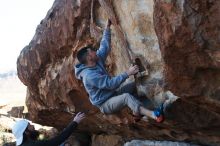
(18, 22)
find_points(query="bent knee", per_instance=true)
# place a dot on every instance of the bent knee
(128, 96)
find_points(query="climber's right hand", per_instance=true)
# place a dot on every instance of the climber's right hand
(132, 70)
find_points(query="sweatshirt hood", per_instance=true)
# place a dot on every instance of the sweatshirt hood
(82, 69)
(79, 70)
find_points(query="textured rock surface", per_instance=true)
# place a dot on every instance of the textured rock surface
(188, 34)
(156, 143)
(106, 140)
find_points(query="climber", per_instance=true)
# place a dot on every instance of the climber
(105, 91)
(26, 135)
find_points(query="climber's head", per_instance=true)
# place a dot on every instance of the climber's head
(87, 55)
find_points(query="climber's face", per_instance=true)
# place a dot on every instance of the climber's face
(92, 55)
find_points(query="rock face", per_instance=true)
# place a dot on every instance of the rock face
(175, 41)
(16, 111)
(188, 35)
(156, 143)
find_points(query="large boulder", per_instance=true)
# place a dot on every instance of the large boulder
(176, 42)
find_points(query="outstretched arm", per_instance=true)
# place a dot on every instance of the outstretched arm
(107, 82)
(64, 134)
(105, 44)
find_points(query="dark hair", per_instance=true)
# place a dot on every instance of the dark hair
(82, 53)
(24, 138)
(32, 135)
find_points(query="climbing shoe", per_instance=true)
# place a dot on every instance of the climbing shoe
(159, 114)
(160, 119)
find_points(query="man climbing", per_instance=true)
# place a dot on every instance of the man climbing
(105, 91)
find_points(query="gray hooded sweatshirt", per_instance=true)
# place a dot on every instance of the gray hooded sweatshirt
(98, 83)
